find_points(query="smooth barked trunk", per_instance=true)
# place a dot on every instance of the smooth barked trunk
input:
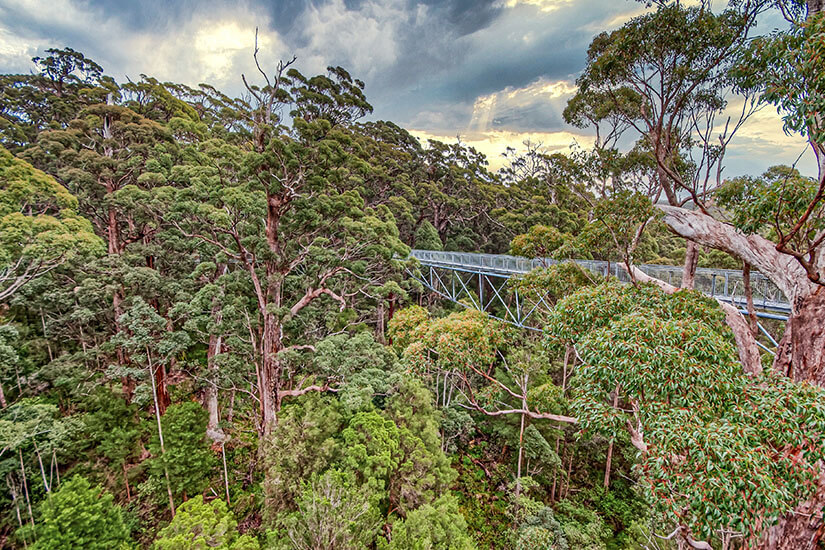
(691, 263)
(213, 430)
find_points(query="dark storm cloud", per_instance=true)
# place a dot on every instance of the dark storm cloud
(466, 16)
(152, 14)
(524, 44)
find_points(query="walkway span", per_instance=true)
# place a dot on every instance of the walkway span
(482, 280)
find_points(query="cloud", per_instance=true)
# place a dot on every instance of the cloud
(536, 106)
(210, 45)
(543, 5)
(762, 143)
(365, 40)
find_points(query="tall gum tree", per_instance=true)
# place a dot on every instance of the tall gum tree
(664, 76)
(112, 158)
(283, 208)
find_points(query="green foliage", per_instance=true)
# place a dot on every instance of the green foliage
(368, 369)
(582, 527)
(407, 326)
(112, 426)
(426, 237)
(540, 531)
(249, 252)
(371, 451)
(78, 515)
(333, 512)
(302, 445)
(423, 472)
(33, 424)
(63, 82)
(542, 287)
(8, 355)
(462, 340)
(625, 214)
(436, 526)
(39, 225)
(198, 524)
(188, 458)
(540, 242)
(684, 395)
(787, 69)
(773, 204)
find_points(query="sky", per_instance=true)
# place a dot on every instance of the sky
(494, 72)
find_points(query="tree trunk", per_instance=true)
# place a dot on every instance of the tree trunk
(691, 262)
(801, 356)
(160, 434)
(746, 281)
(381, 322)
(610, 446)
(25, 485)
(225, 473)
(802, 529)
(801, 352)
(521, 444)
(803, 332)
(164, 400)
(126, 481)
(126, 382)
(267, 390)
(213, 430)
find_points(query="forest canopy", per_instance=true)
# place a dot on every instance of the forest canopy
(213, 332)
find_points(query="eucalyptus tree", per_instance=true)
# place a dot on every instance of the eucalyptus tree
(541, 189)
(665, 77)
(397, 168)
(767, 225)
(66, 81)
(40, 227)
(113, 159)
(284, 207)
(454, 193)
(722, 453)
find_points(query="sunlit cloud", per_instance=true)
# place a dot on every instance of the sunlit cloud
(213, 45)
(364, 39)
(762, 143)
(500, 109)
(543, 5)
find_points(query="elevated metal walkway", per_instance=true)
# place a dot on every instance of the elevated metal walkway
(481, 280)
(725, 284)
